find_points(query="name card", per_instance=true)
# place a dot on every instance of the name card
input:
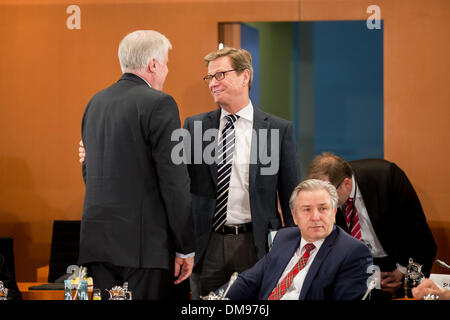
(442, 280)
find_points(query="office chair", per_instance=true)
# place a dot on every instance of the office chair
(64, 248)
(7, 251)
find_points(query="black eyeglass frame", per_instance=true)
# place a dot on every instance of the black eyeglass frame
(209, 77)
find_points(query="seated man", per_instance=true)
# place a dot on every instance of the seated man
(379, 206)
(8, 281)
(316, 261)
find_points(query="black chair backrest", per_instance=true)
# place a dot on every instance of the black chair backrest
(64, 248)
(7, 251)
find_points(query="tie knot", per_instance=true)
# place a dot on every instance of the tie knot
(350, 202)
(232, 117)
(309, 247)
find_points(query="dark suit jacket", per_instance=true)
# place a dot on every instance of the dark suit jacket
(262, 188)
(137, 208)
(338, 272)
(395, 212)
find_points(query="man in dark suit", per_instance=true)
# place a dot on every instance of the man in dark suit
(316, 261)
(234, 194)
(132, 230)
(378, 205)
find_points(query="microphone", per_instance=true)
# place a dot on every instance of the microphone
(442, 264)
(372, 285)
(232, 280)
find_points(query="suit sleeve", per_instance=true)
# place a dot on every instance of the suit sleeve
(351, 280)
(418, 241)
(83, 132)
(248, 283)
(173, 179)
(288, 177)
(188, 155)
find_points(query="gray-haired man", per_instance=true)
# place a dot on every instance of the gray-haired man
(131, 228)
(314, 261)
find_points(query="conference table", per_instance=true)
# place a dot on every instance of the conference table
(28, 294)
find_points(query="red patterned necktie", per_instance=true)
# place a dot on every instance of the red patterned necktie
(284, 284)
(352, 219)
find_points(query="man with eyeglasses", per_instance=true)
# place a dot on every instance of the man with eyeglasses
(234, 201)
(378, 205)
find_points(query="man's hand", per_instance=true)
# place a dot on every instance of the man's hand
(82, 152)
(391, 281)
(184, 265)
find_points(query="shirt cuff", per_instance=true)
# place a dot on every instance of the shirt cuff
(184, 256)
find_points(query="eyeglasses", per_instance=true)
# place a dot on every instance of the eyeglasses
(218, 75)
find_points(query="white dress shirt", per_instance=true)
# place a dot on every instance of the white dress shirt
(368, 234)
(238, 205)
(293, 292)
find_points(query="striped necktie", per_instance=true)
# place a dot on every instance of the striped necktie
(225, 161)
(352, 219)
(284, 284)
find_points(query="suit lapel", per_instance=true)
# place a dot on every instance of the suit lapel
(260, 121)
(318, 260)
(281, 261)
(212, 122)
(370, 196)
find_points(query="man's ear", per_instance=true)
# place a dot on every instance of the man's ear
(334, 215)
(246, 77)
(151, 67)
(347, 182)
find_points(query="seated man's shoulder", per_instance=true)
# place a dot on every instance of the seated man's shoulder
(288, 233)
(350, 243)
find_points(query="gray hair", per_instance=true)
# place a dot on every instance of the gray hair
(139, 47)
(314, 184)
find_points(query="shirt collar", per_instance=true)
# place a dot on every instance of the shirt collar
(317, 244)
(143, 79)
(245, 113)
(355, 190)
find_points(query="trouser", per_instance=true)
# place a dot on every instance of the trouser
(144, 283)
(224, 255)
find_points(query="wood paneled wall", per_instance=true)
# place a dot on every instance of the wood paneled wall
(49, 72)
